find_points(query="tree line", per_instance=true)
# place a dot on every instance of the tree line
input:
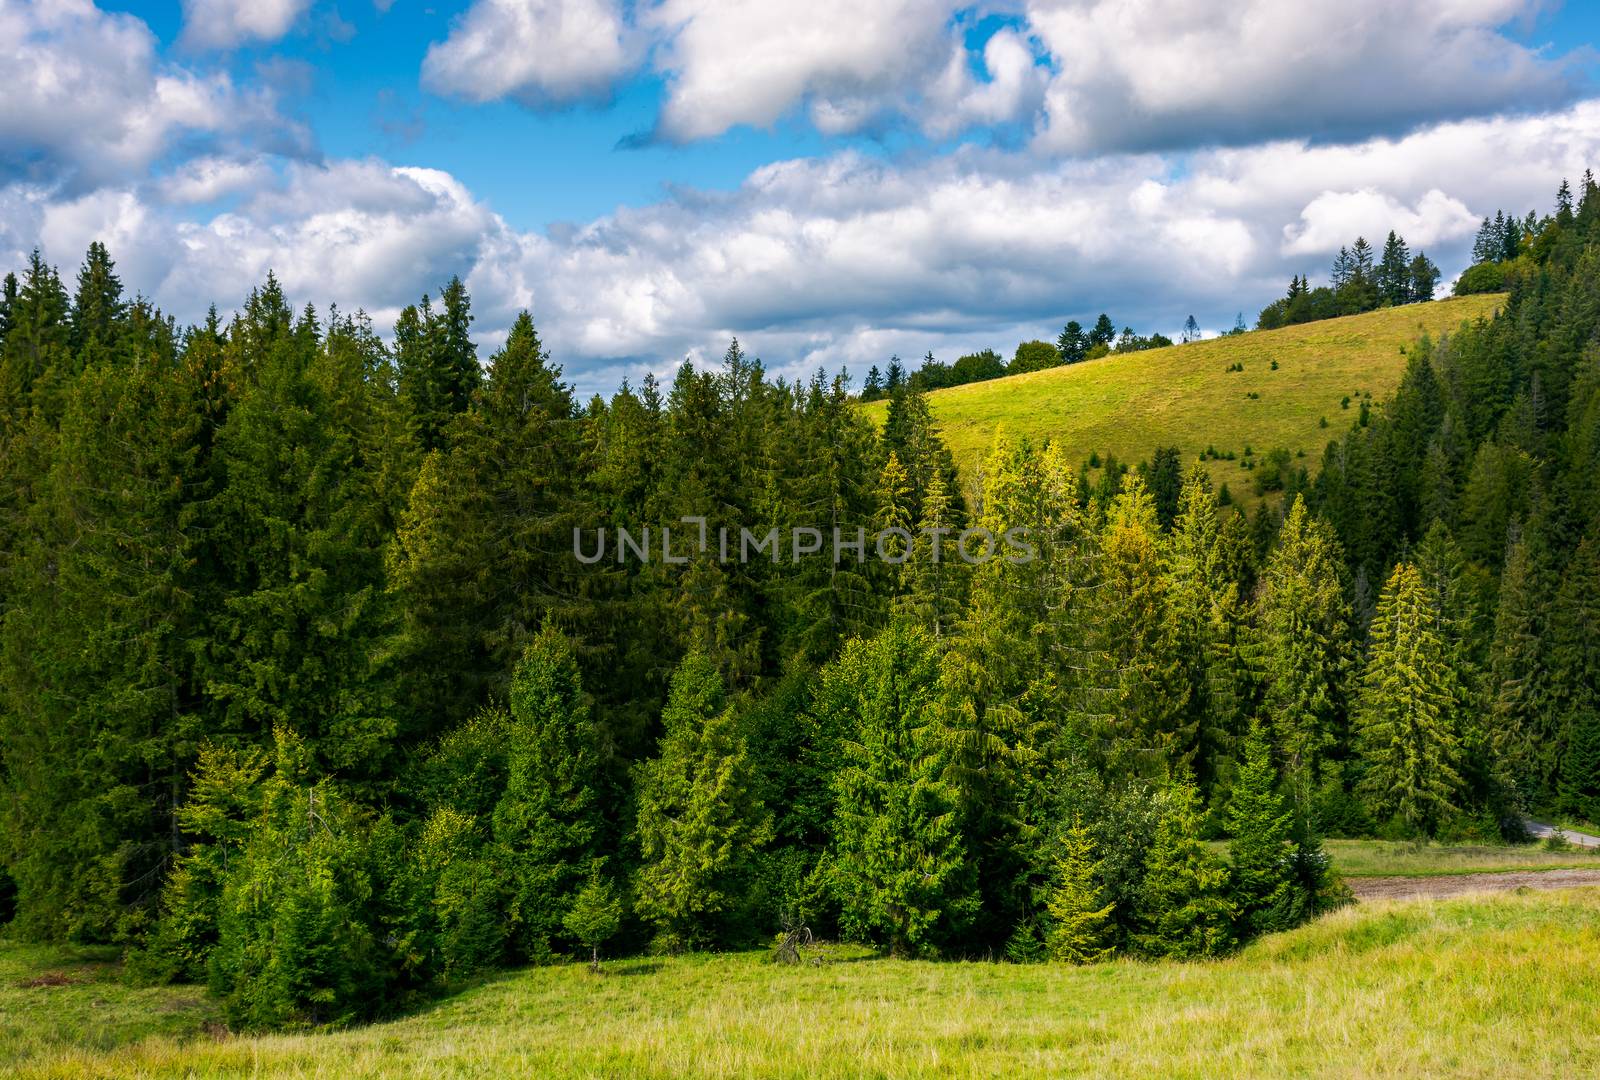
(305, 695)
(1359, 282)
(1075, 344)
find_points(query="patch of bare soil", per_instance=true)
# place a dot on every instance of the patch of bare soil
(1401, 888)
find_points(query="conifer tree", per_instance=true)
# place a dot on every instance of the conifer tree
(1406, 731)
(1519, 673)
(1183, 906)
(1394, 272)
(698, 818)
(37, 342)
(1001, 685)
(898, 862)
(106, 605)
(547, 823)
(892, 526)
(1072, 343)
(299, 533)
(1302, 650)
(97, 308)
(937, 574)
(1080, 914)
(295, 948)
(1208, 619)
(1262, 853)
(482, 554)
(595, 916)
(1137, 678)
(1575, 680)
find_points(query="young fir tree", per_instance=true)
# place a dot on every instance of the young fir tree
(698, 818)
(1080, 914)
(1001, 685)
(295, 946)
(899, 868)
(937, 573)
(1575, 669)
(546, 825)
(1262, 853)
(1519, 681)
(595, 915)
(1137, 674)
(1183, 907)
(1302, 649)
(892, 527)
(1406, 731)
(1208, 620)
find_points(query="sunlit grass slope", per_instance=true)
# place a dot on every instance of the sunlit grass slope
(1500, 986)
(1185, 396)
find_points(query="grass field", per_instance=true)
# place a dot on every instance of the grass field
(1185, 396)
(1386, 858)
(1497, 986)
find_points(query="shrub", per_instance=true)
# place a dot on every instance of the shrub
(1482, 278)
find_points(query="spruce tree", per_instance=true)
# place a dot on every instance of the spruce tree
(902, 875)
(1405, 727)
(1137, 683)
(698, 818)
(1394, 272)
(937, 573)
(1183, 907)
(1302, 649)
(547, 824)
(97, 308)
(1080, 914)
(1263, 855)
(1519, 678)
(595, 915)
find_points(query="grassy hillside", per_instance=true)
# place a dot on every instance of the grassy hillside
(1496, 986)
(1185, 396)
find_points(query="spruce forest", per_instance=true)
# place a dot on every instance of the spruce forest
(305, 696)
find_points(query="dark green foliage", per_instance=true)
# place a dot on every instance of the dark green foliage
(898, 864)
(1482, 278)
(1033, 356)
(547, 823)
(699, 818)
(294, 948)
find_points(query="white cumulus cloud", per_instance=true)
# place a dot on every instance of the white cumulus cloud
(1167, 73)
(223, 24)
(539, 52)
(87, 101)
(835, 260)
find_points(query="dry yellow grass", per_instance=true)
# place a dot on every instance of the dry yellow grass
(1184, 396)
(1497, 987)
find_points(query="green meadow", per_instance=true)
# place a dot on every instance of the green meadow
(1186, 396)
(1491, 986)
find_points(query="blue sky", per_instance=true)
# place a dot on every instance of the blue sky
(832, 181)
